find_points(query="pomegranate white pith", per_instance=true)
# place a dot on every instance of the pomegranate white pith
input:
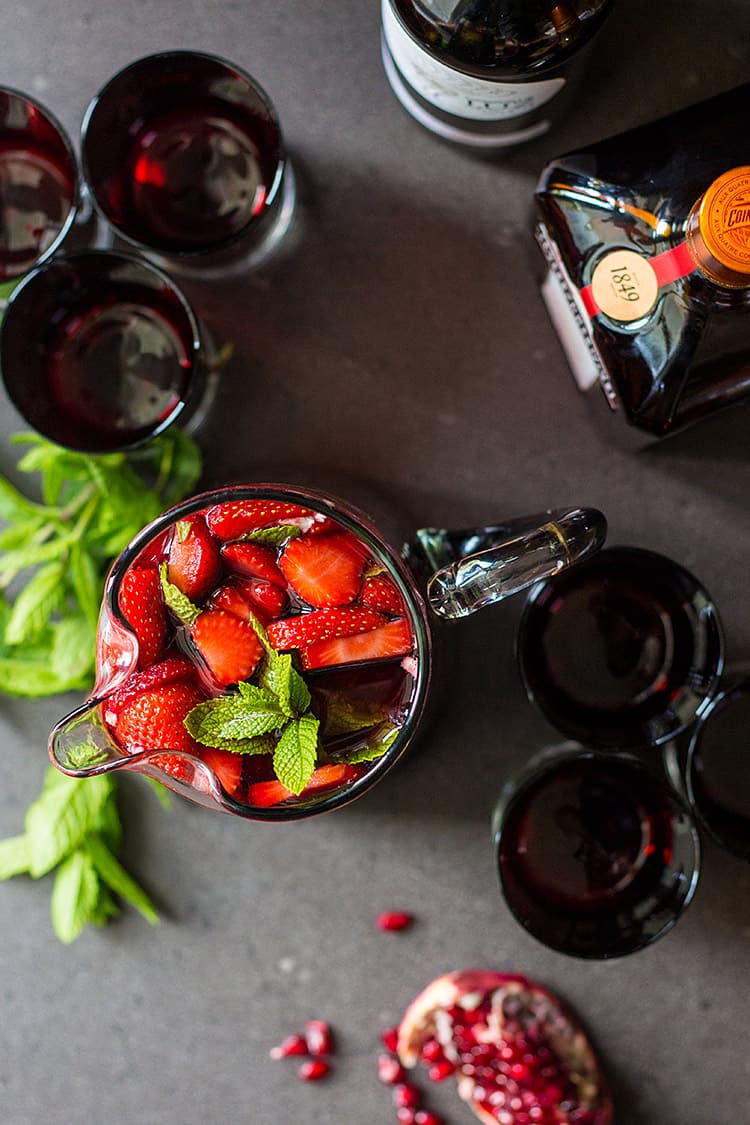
(518, 1054)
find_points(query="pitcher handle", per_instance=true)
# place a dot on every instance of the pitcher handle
(504, 559)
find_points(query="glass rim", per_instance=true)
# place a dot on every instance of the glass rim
(354, 521)
(547, 762)
(71, 258)
(75, 203)
(599, 737)
(193, 254)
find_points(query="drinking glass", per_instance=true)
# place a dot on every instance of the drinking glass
(184, 158)
(624, 651)
(101, 351)
(597, 855)
(384, 671)
(38, 186)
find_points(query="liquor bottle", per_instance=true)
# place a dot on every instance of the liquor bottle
(646, 238)
(483, 72)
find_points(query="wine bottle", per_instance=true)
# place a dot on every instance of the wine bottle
(483, 72)
(646, 238)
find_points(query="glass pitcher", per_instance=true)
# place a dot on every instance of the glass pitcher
(297, 572)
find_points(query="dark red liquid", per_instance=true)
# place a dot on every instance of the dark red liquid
(37, 193)
(613, 650)
(197, 177)
(595, 856)
(118, 368)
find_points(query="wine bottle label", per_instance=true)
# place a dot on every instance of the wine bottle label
(457, 93)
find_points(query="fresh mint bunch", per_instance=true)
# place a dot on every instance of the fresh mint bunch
(74, 829)
(55, 551)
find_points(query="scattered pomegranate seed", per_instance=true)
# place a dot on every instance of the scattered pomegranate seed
(440, 1071)
(406, 1095)
(390, 1070)
(432, 1051)
(426, 1117)
(318, 1038)
(392, 921)
(313, 1070)
(292, 1045)
(405, 1115)
(389, 1039)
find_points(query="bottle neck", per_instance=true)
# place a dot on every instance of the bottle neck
(717, 229)
(705, 262)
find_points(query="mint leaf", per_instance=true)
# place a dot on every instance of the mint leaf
(276, 678)
(370, 750)
(345, 717)
(82, 756)
(178, 602)
(273, 536)
(36, 603)
(86, 581)
(73, 641)
(14, 856)
(111, 871)
(75, 896)
(253, 711)
(106, 908)
(296, 753)
(61, 817)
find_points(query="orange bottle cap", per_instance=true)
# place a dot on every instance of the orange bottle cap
(724, 220)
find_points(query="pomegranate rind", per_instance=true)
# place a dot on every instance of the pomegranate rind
(426, 1016)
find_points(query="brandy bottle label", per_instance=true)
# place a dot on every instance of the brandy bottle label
(625, 284)
(457, 93)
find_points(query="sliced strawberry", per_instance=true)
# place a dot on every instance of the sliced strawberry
(253, 561)
(244, 596)
(320, 625)
(173, 670)
(153, 720)
(228, 645)
(270, 600)
(156, 549)
(226, 766)
(381, 592)
(266, 793)
(194, 562)
(142, 604)
(235, 518)
(391, 639)
(324, 570)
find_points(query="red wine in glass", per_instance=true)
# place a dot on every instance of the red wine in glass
(622, 650)
(183, 155)
(100, 351)
(38, 184)
(597, 856)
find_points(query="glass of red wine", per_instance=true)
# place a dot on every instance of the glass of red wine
(183, 156)
(624, 651)
(597, 855)
(101, 352)
(38, 185)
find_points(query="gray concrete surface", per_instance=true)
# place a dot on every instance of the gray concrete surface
(398, 350)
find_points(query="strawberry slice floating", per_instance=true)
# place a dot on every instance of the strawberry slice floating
(320, 625)
(253, 561)
(324, 570)
(141, 601)
(264, 794)
(228, 645)
(381, 592)
(391, 639)
(153, 719)
(235, 518)
(194, 562)
(173, 670)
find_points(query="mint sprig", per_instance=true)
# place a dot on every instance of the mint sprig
(273, 716)
(274, 536)
(74, 827)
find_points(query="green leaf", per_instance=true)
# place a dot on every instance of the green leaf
(272, 536)
(252, 712)
(34, 606)
(180, 465)
(299, 695)
(276, 677)
(86, 581)
(62, 816)
(370, 750)
(31, 677)
(106, 907)
(111, 871)
(75, 896)
(179, 603)
(14, 856)
(73, 647)
(14, 507)
(345, 717)
(13, 562)
(18, 535)
(296, 753)
(163, 796)
(84, 755)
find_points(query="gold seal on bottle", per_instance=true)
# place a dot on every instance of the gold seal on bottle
(718, 232)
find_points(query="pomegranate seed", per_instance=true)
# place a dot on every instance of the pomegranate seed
(405, 1115)
(426, 1117)
(318, 1038)
(313, 1070)
(391, 921)
(432, 1051)
(389, 1039)
(440, 1071)
(390, 1070)
(406, 1095)
(292, 1045)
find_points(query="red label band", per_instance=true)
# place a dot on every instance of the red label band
(668, 266)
